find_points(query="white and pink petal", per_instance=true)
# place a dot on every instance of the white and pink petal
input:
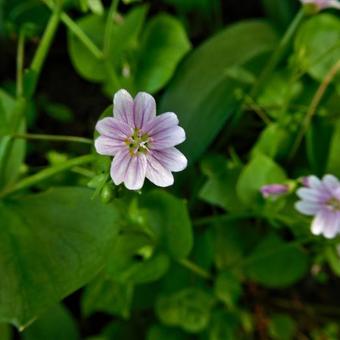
(172, 159)
(144, 109)
(123, 106)
(157, 173)
(108, 146)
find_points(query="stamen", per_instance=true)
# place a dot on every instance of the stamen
(334, 204)
(138, 142)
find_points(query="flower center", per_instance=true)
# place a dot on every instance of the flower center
(138, 142)
(334, 204)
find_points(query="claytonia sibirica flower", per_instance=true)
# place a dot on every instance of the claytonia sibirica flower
(274, 190)
(322, 4)
(141, 142)
(321, 199)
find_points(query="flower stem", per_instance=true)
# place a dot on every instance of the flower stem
(272, 63)
(313, 107)
(20, 63)
(46, 173)
(54, 138)
(195, 269)
(46, 41)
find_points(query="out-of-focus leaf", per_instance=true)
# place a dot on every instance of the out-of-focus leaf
(280, 12)
(202, 94)
(333, 165)
(169, 220)
(274, 142)
(96, 7)
(123, 35)
(223, 326)
(55, 324)
(164, 43)
(228, 288)
(51, 244)
(318, 138)
(261, 170)
(277, 264)
(220, 188)
(282, 327)
(317, 47)
(107, 296)
(12, 151)
(188, 309)
(159, 332)
(5, 331)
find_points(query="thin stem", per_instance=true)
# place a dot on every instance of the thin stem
(54, 138)
(272, 63)
(314, 106)
(46, 173)
(46, 41)
(78, 32)
(195, 269)
(20, 63)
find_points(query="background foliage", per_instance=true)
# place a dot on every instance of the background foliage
(256, 87)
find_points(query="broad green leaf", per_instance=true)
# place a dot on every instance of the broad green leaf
(220, 188)
(274, 142)
(333, 165)
(12, 151)
(123, 35)
(317, 45)
(5, 331)
(228, 288)
(164, 43)
(318, 140)
(168, 218)
(55, 324)
(282, 327)
(105, 295)
(261, 170)
(276, 264)
(159, 332)
(202, 94)
(189, 309)
(223, 326)
(51, 244)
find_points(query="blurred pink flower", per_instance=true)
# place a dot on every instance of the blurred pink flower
(321, 199)
(141, 142)
(322, 4)
(274, 190)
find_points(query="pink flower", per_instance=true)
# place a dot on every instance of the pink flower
(321, 199)
(274, 190)
(141, 142)
(322, 4)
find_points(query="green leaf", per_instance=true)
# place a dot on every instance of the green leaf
(123, 36)
(274, 142)
(51, 244)
(276, 264)
(261, 170)
(108, 296)
(223, 326)
(12, 151)
(282, 327)
(188, 309)
(333, 165)
(168, 218)
(159, 332)
(202, 94)
(164, 43)
(228, 288)
(55, 324)
(317, 47)
(220, 188)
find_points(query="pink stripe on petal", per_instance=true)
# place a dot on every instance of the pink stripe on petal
(135, 172)
(119, 166)
(330, 182)
(108, 146)
(172, 159)
(114, 128)
(167, 138)
(161, 123)
(312, 195)
(157, 173)
(123, 107)
(144, 109)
